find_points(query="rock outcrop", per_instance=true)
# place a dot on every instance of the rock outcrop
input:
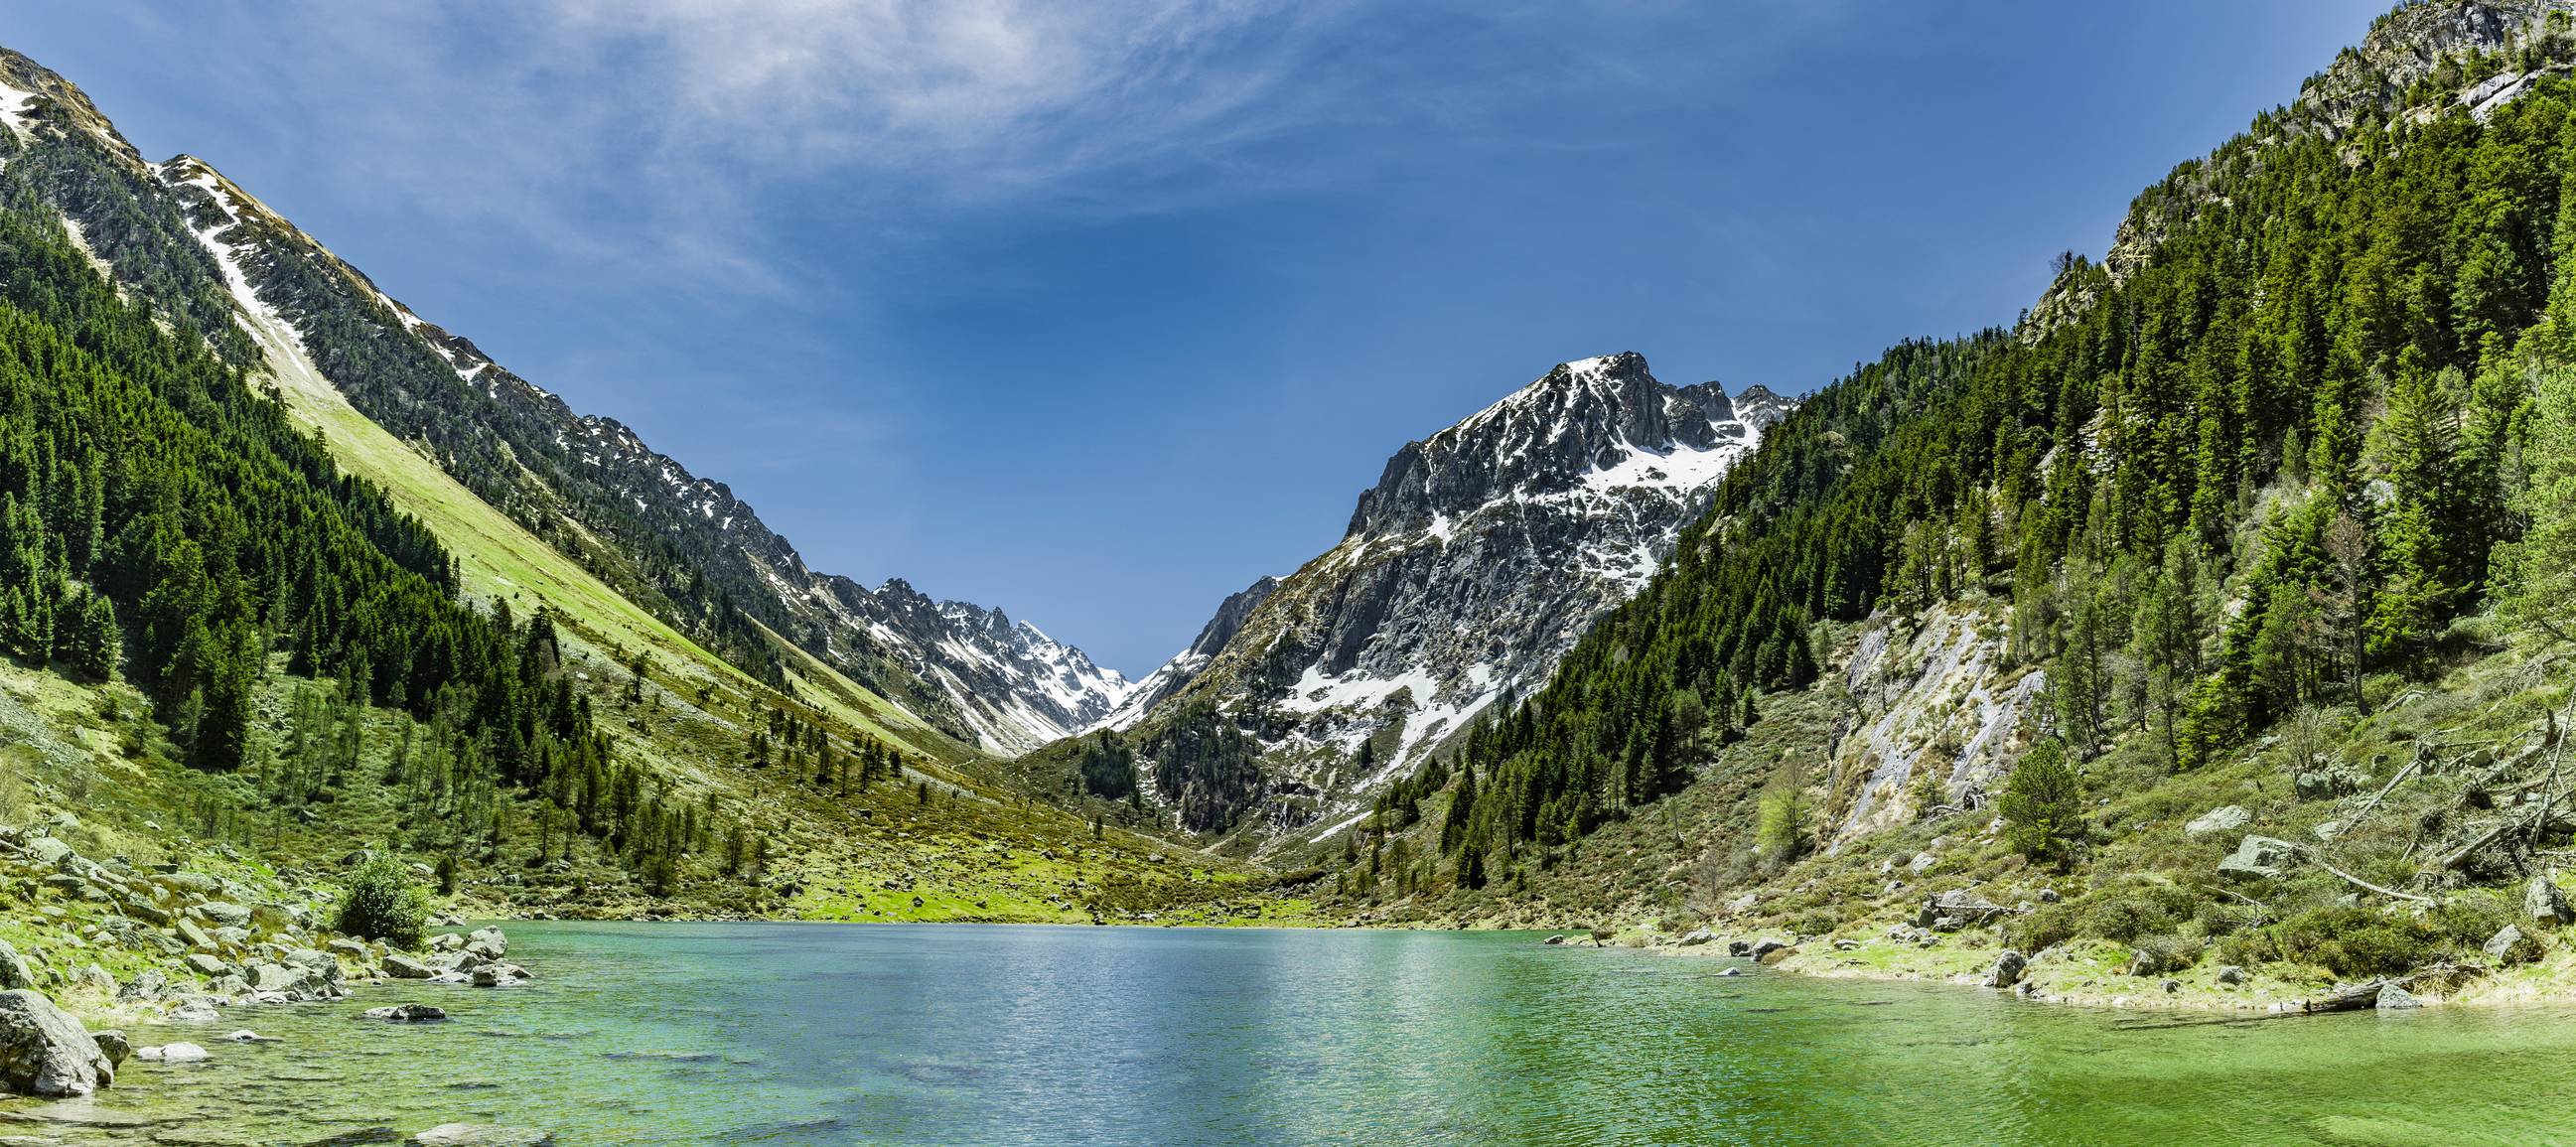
(44, 1051)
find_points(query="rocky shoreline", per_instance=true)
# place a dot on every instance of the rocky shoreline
(1956, 938)
(198, 950)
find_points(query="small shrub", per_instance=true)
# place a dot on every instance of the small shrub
(2354, 943)
(380, 902)
(2046, 927)
(2157, 955)
(2139, 906)
(1781, 830)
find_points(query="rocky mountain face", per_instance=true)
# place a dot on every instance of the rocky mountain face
(1468, 570)
(682, 546)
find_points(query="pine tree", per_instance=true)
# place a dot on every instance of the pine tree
(2541, 568)
(2043, 804)
(1462, 811)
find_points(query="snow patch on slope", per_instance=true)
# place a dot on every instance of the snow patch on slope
(13, 109)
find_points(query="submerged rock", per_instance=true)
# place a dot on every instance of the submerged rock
(481, 1135)
(196, 1011)
(44, 1051)
(408, 1013)
(173, 1053)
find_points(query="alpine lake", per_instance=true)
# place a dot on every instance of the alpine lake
(970, 1034)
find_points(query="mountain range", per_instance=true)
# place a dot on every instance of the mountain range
(679, 545)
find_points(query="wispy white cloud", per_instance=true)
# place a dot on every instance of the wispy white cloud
(644, 134)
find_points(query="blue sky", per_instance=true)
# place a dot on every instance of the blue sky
(1098, 311)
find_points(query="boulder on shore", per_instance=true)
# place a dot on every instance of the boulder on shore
(44, 1051)
(1956, 909)
(2392, 997)
(2510, 946)
(2007, 970)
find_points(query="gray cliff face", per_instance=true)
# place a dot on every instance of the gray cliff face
(180, 235)
(1468, 571)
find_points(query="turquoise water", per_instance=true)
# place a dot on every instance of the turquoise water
(957, 1034)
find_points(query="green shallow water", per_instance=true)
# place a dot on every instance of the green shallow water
(958, 1034)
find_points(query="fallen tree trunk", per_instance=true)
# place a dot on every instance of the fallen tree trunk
(2349, 878)
(2350, 998)
(2422, 751)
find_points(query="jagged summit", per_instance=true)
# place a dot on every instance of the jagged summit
(1605, 421)
(1468, 570)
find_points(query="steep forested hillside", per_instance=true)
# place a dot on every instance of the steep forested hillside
(239, 617)
(680, 547)
(142, 480)
(2270, 464)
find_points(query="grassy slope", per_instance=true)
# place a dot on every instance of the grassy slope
(970, 852)
(500, 559)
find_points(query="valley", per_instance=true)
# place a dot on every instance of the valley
(2196, 640)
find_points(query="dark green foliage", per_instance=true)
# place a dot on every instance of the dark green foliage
(2126, 909)
(1205, 767)
(1107, 766)
(2181, 468)
(2357, 943)
(2043, 804)
(380, 902)
(143, 482)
